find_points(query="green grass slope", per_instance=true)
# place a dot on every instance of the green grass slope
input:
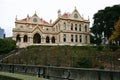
(68, 56)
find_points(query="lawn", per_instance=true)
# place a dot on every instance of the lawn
(13, 76)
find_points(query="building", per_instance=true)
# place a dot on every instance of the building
(2, 35)
(68, 29)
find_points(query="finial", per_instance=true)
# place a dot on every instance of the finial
(59, 13)
(75, 7)
(28, 15)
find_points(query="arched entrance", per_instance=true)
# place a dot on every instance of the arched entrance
(25, 38)
(47, 39)
(37, 38)
(18, 39)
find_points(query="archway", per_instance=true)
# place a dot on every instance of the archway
(47, 39)
(25, 39)
(18, 39)
(37, 38)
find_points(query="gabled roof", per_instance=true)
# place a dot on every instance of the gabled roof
(27, 19)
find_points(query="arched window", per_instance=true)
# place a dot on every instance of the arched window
(25, 38)
(18, 39)
(75, 27)
(71, 26)
(47, 39)
(53, 39)
(71, 38)
(64, 26)
(85, 28)
(76, 38)
(80, 27)
(37, 38)
(80, 38)
(64, 37)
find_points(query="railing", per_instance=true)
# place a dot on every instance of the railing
(61, 73)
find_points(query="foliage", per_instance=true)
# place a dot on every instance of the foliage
(104, 21)
(95, 40)
(116, 33)
(7, 45)
(68, 56)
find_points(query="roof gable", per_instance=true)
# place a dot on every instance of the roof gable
(34, 19)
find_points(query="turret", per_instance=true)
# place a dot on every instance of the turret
(59, 13)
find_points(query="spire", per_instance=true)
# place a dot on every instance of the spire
(35, 14)
(27, 17)
(75, 9)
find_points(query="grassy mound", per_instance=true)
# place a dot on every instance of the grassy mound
(68, 56)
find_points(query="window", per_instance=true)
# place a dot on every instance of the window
(76, 40)
(80, 27)
(76, 27)
(75, 16)
(25, 38)
(80, 38)
(71, 38)
(64, 37)
(53, 39)
(35, 20)
(64, 26)
(85, 28)
(71, 26)
(47, 39)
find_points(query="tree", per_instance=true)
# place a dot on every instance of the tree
(116, 33)
(104, 21)
(7, 45)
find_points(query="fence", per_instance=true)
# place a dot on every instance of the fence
(61, 73)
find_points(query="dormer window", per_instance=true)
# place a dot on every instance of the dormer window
(75, 16)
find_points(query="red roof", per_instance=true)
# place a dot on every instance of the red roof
(41, 20)
(65, 15)
(25, 19)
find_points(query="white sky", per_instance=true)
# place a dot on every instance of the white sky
(47, 9)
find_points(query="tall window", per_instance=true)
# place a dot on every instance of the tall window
(25, 38)
(76, 27)
(47, 39)
(80, 38)
(53, 39)
(71, 26)
(18, 39)
(71, 38)
(64, 37)
(85, 28)
(64, 26)
(79, 27)
(76, 38)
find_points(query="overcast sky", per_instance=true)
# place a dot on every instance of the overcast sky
(47, 9)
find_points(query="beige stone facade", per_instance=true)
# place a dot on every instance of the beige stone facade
(68, 29)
